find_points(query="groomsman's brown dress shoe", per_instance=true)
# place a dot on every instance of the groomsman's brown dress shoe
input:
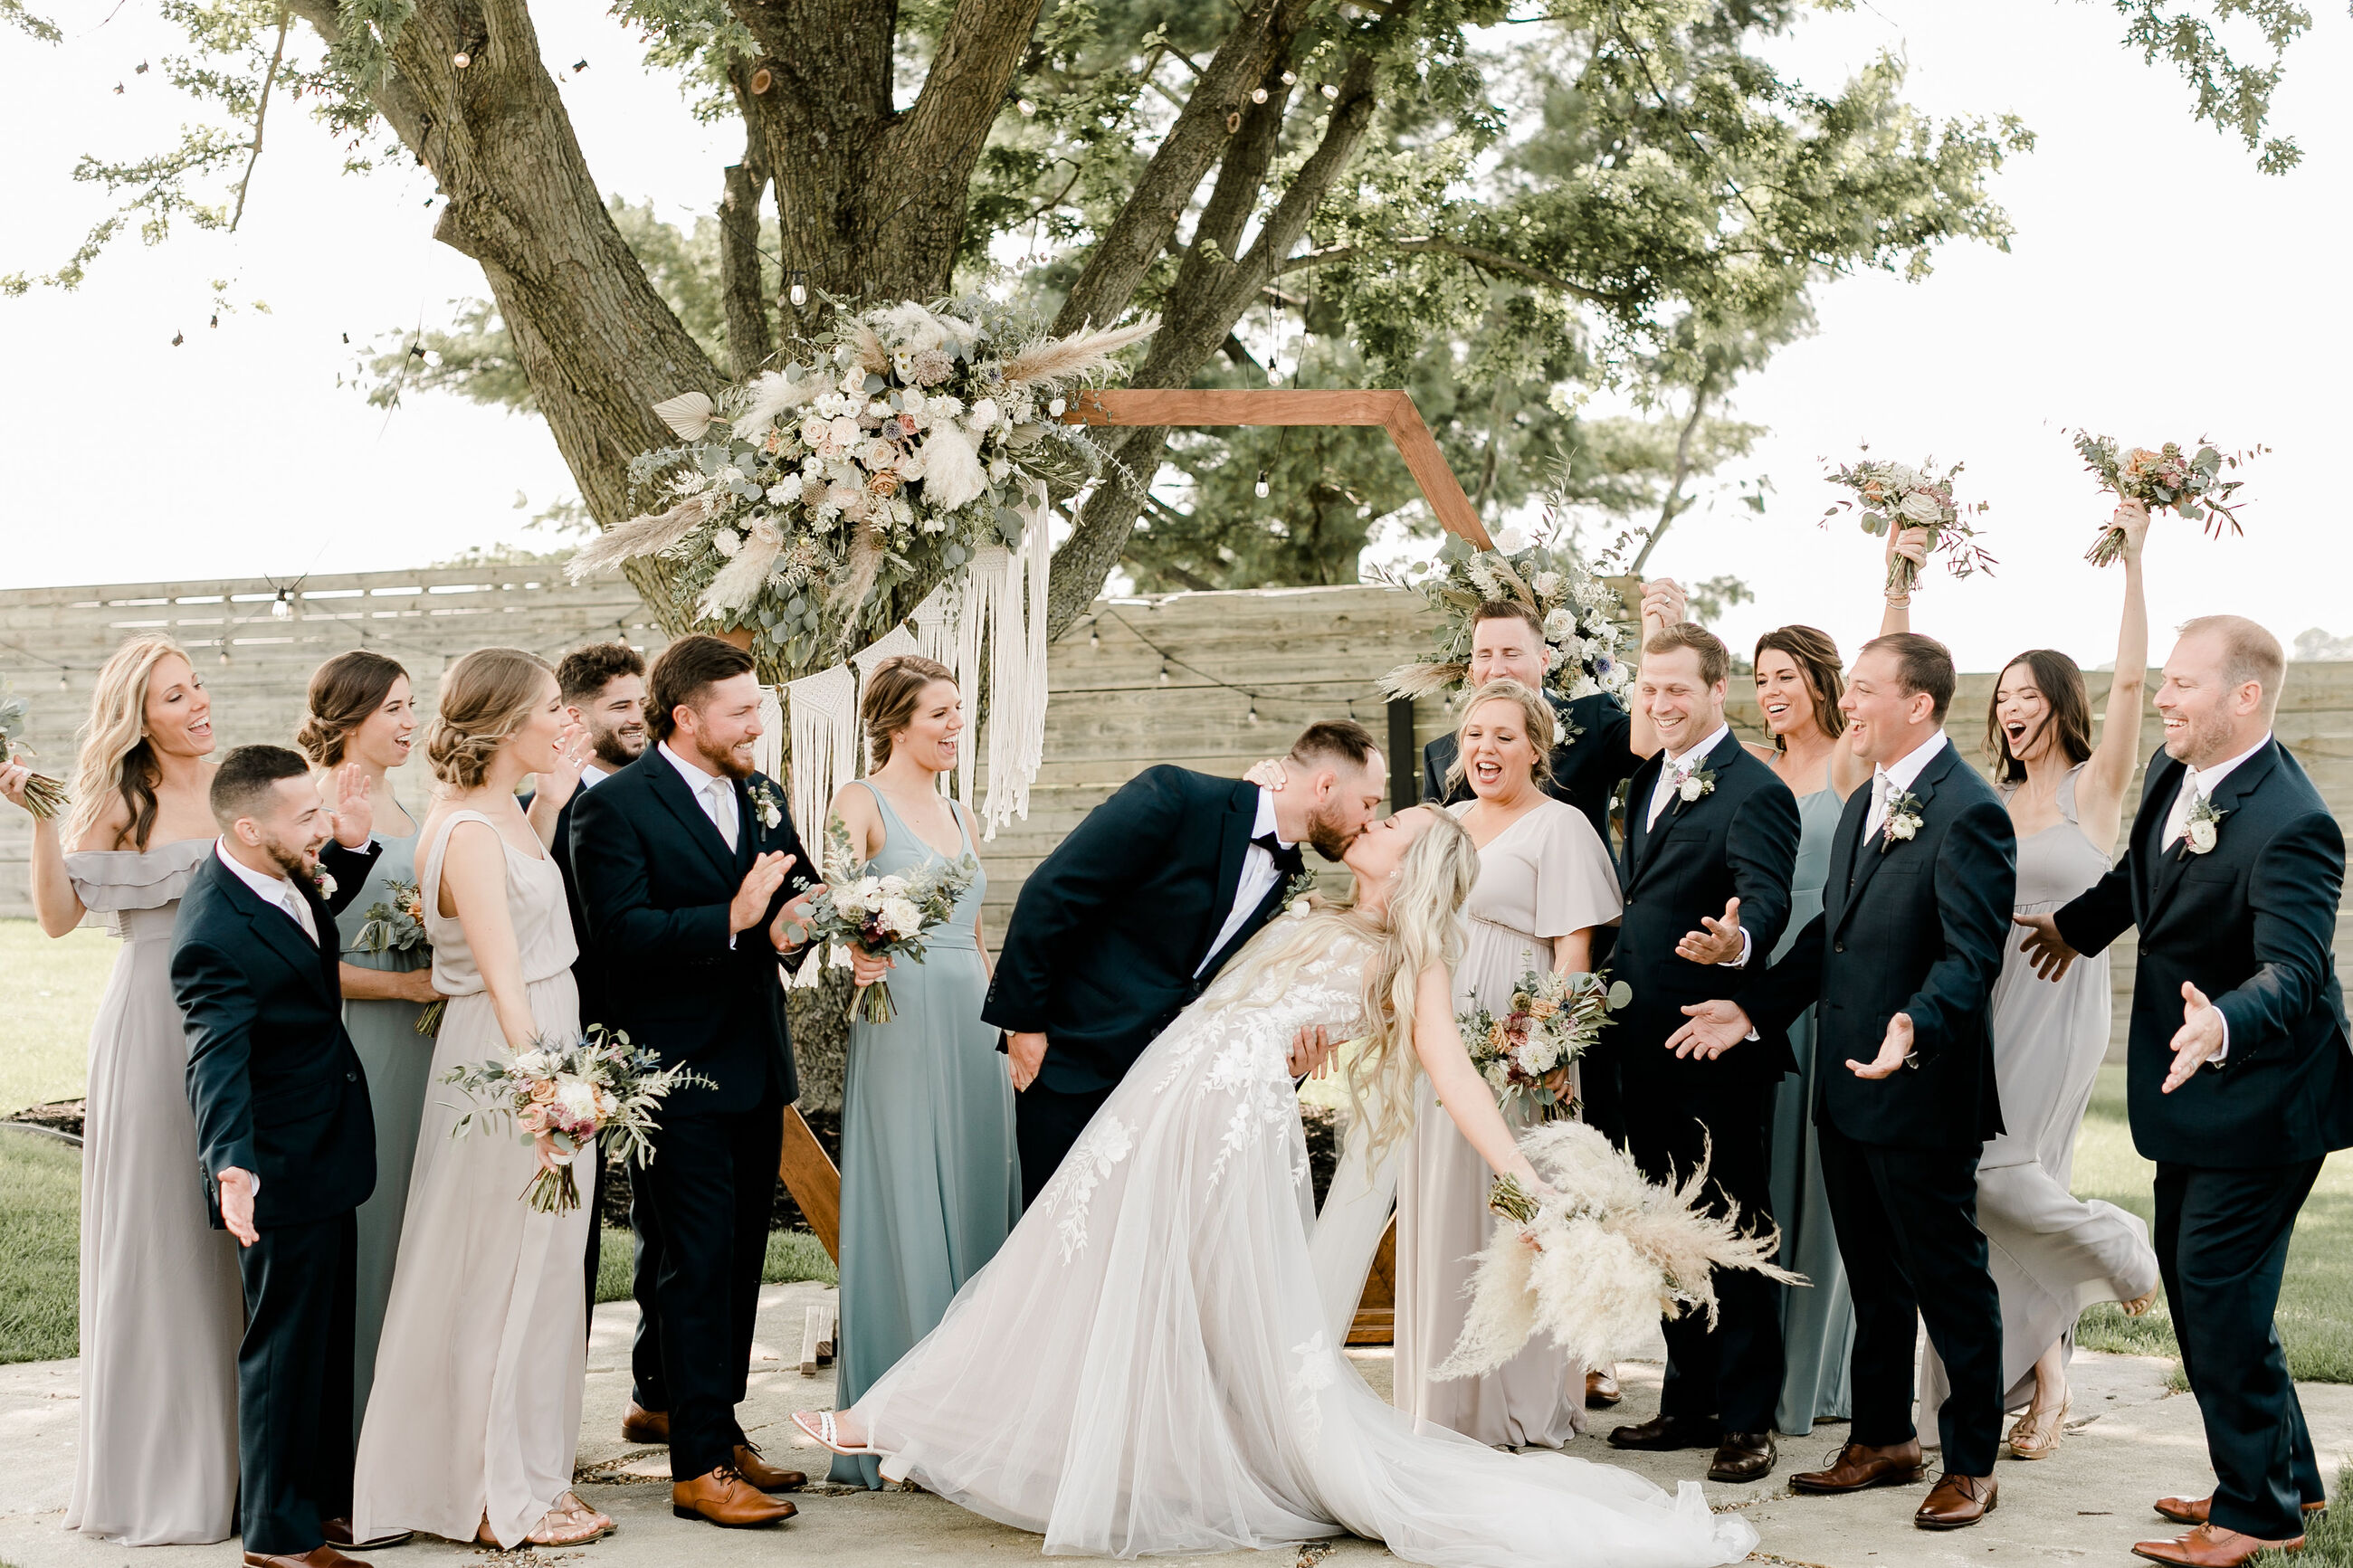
(2199, 1510)
(1601, 1388)
(317, 1557)
(338, 1532)
(1957, 1502)
(1859, 1466)
(763, 1474)
(639, 1425)
(725, 1498)
(1661, 1434)
(2210, 1546)
(1743, 1457)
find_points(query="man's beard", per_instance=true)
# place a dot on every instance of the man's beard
(1330, 836)
(619, 745)
(725, 763)
(2201, 737)
(294, 863)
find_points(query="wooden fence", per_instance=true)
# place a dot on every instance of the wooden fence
(1208, 681)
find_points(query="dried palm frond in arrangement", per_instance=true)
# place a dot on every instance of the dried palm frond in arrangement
(1596, 1256)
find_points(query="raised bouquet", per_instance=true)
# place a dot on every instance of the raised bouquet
(1597, 1255)
(1552, 1019)
(596, 1088)
(398, 926)
(2189, 483)
(888, 915)
(799, 500)
(44, 796)
(1584, 641)
(1898, 496)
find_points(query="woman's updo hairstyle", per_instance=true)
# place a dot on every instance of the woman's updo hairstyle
(484, 698)
(893, 692)
(344, 691)
(1535, 720)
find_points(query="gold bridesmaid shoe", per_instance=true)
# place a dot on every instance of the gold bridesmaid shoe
(2038, 1432)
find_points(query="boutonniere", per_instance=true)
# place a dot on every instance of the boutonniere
(1903, 822)
(323, 882)
(1295, 891)
(2204, 828)
(1691, 786)
(763, 805)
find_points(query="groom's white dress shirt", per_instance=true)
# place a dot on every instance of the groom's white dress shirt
(1257, 878)
(716, 795)
(1672, 773)
(1889, 778)
(276, 891)
(2200, 783)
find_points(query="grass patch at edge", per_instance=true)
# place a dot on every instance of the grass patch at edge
(40, 1244)
(792, 1255)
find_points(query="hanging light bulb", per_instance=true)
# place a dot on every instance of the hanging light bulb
(224, 655)
(1164, 672)
(1330, 92)
(281, 608)
(798, 292)
(64, 685)
(461, 59)
(1251, 716)
(1289, 77)
(1258, 95)
(1262, 486)
(1027, 106)
(1095, 639)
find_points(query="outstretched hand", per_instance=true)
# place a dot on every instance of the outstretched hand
(2043, 946)
(1714, 1028)
(1719, 943)
(1895, 1049)
(2200, 1037)
(354, 811)
(750, 905)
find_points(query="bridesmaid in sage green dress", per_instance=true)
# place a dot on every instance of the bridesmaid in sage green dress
(362, 713)
(931, 1185)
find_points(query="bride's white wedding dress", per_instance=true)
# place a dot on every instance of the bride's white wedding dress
(1145, 1366)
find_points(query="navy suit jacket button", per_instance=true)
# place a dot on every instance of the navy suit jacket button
(1838, 946)
(351, 1077)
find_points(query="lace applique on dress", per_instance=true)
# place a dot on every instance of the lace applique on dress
(1319, 1369)
(1072, 1189)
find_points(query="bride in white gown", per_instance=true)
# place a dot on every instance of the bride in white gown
(1145, 1366)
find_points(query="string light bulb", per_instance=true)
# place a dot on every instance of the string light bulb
(1164, 672)
(1027, 106)
(1330, 92)
(281, 608)
(1290, 78)
(63, 684)
(798, 292)
(1258, 95)
(224, 656)
(461, 59)
(1262, 487)
(1095, 639)
(1251, 716)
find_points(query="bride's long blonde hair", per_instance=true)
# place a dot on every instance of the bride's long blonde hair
(1420, 926)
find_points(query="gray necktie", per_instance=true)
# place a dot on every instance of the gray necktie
(723, 815)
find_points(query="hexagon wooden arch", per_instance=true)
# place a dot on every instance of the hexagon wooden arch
(1392, 411)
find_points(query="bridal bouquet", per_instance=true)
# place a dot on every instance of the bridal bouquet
(1898, 496)
(399, 926)
(595, 1088)
(2190, 483)
(43, 794)
(887, 915)
(1584, 643)
(1597, 1255)
(1525, 1055)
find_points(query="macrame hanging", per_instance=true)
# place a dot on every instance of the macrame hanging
(768, 751)
(939, 626)
(1017, 685)
(978, 598)
(825, 746)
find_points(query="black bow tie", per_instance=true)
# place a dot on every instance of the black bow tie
(1286, 855)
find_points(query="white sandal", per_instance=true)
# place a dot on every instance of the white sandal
(820, 1428)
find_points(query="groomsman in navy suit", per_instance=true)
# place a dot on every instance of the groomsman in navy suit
(1903, 958)
(1711, 841)
(284, 1133)
(2237, 1077)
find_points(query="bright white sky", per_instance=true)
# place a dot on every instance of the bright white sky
(129, 459)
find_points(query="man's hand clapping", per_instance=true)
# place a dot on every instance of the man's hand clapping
(790, 928)
(760, 884)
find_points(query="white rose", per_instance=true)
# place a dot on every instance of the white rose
(1689, 789)
(1900, 476)
(727, 541)
(2201, 835)
(577, 1099)
(326, 885)
(530, 1064)
(901, 916)
(1558, 624)
(1297, 907)
(1922, 506)
(1512, 540)
(1903, 827)
(892, 884)
(849, 904)
(870, 896)
(984, 415)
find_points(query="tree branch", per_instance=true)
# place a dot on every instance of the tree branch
(261, 114)
(1488, 260)
(1671, 507)
(749, 342)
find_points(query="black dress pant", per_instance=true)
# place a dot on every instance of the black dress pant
(1732, 1373)
(2221, 1243)
(294, 1392)
(709, 1189)
(1907, 1232)
(646, 1385)
(1046, 1123)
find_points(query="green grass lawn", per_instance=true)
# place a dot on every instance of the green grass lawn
(40, 1232)
(52, 994)
(792, 1255)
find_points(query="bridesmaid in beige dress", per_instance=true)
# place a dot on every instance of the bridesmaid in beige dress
(162, 1309)
(475, 1417)
(1545, 883)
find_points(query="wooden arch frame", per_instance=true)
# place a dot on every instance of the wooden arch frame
(1392, 411)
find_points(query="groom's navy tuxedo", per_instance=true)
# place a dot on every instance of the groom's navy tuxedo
(278, 1092)
(1915, 926)
(2237, 1146)
(655, 878)
(1739, 839)
(1112, 937)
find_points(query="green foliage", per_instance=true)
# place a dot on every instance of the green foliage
(2232, 96)
(13, 14)
(40, 1238)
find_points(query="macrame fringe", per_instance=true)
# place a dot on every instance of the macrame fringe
(1015, 602)
(825, 745)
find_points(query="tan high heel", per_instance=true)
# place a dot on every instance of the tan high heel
(2136, 1307)
(2038, 1432)
(570, 1522)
